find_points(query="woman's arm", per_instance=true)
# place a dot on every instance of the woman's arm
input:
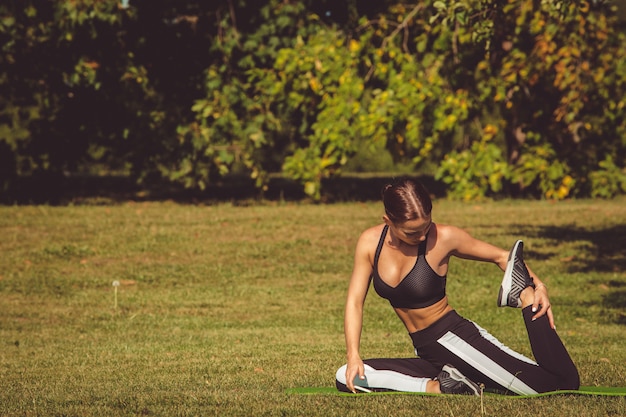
(353, 319)
(461, 244)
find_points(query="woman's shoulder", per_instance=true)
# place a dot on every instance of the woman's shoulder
(448, 234)
(367, 243)
(372, 235)
(448, 229)
(374, 231)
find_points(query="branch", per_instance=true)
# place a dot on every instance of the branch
(402, 26)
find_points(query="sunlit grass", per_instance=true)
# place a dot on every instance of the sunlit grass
(223, 308)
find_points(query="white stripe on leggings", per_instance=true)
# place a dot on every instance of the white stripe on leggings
(486, 335)
(484, 364)
(382, 378)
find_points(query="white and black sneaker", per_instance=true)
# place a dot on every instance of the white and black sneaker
(516, 278)
(451, 381)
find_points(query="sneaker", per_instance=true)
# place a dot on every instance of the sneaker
(516, 278)
(451, 381)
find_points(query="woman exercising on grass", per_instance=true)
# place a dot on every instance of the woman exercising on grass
(407, 259)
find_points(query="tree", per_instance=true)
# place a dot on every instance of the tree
(93, 82)
(553, 77)
(494, 92)
(499, 96)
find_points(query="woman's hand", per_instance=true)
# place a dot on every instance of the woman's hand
(354, 368)
(541, 304)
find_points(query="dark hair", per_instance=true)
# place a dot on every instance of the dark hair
(406, 199)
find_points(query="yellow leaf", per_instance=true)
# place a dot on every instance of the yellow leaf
(310, 188)
(315, 85)
(354, 45)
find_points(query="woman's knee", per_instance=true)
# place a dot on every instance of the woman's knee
(572, 381)
(340, 379)
(340, 376)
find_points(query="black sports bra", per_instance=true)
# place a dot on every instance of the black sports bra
(421, 287)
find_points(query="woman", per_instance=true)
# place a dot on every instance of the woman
(407, 259)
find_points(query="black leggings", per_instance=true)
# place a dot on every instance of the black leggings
(481, 357)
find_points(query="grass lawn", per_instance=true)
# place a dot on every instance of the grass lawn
(221, 308)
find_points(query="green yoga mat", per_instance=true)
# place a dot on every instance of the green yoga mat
(607, 391)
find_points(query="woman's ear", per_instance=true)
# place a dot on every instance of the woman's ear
(386, 220)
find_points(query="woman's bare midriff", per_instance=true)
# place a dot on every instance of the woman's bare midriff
(420, 318)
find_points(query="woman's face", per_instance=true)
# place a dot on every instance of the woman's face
(411, 232)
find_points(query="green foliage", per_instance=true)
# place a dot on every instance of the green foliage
(502, 96)
(476, 172)
(83, 85)
(51, 66)
(540, 164)
(328, 73)
(557, 91)
(237, 125)
(547, 87)
(432, 82)
(609, 180)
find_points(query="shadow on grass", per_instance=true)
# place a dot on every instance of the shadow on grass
(616, 300)
(604, 251)
(607, 252)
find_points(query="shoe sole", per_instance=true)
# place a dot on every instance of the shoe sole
(507, 279)
(458, 376)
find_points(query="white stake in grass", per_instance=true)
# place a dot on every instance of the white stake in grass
(115, 285)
